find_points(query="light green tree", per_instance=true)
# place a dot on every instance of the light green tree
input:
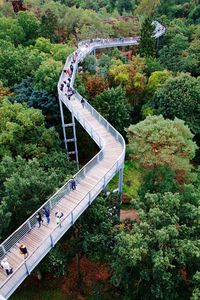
(158, 141)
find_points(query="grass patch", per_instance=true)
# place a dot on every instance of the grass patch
(131, 179)
(35, 294)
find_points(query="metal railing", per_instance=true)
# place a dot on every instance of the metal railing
(33, 259)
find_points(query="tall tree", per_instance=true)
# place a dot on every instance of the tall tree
(147, 41)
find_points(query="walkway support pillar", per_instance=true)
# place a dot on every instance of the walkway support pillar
(75, 140)
(120, 182)
(63, 125)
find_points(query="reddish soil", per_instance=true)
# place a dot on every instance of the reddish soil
(91, 273)
(128, 214)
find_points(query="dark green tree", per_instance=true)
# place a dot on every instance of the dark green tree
(30, 25)
(147, 41)
(161, 179)
(179, 97)
(113, 105)
(124, 5)
(41, 99)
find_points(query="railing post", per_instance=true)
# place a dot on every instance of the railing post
(72, 218)
(120, 183)
(84, 172)
(50, 202)
(52, 242)
(3, 248)
(90, 201)
(105, 186)
(27, 269)
(29, 224)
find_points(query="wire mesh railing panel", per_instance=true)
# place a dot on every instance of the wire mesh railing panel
(16, 236)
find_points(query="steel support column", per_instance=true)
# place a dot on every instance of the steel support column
(63, 125)
(120, 182)
(75, 140)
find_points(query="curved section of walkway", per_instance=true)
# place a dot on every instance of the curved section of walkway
(92, 178)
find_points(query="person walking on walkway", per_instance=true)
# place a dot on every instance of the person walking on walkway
(58, 216)
(83, 102)
(39, 219)
(23, 250)
(6, 266)
(71, 68)
(46, 212)
(72, 184)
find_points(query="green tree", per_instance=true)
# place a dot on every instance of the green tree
(171, 55)
(179, 97)
(160, 179)
(147, 7)
(112, 104)
(147, 41)
(51, 17)
(89, 64)
(156, 257)
(41, 99)
(22, 132)
(125, 5)
(157, 80)
(156, 141)
(30, 25)
(11, 31)
(47, 75)
(131, 77)
(194, 14)
(12, 66)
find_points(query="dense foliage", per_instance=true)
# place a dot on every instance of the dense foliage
(153, 90)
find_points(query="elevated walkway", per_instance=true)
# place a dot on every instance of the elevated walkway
(91, 179)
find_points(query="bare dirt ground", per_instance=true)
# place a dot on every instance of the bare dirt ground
(128, 214)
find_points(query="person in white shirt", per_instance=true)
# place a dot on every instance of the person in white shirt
(6, 266)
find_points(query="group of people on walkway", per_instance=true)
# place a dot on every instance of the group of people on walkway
(6, 265)
(65, 86)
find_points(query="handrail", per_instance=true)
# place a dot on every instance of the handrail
(83, 50)
(62, 221)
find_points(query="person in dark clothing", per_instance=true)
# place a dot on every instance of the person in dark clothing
(72, 184)
(83, 102)
(46, 212)
(23, 250)
(62, 87)
(71, 68)
(39, 219)
(68, 86)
